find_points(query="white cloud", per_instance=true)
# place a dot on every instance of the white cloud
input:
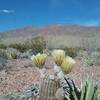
(7, 11)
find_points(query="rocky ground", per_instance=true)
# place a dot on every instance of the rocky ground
(22, 73)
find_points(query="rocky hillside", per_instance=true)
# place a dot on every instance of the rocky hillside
(73, 35)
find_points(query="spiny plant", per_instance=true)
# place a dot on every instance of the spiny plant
(39, 60)
(89, 90)
(48, 88)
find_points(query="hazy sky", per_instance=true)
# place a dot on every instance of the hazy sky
(20, 13)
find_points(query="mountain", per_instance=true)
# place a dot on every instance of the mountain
(61, 34)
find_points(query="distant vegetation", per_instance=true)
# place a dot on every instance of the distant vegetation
(37, 44)
(2, 46)
(90, 55)
(70, 51)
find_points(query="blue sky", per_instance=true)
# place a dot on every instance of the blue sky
(20, 13)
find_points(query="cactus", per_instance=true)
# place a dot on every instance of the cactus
(58, 56)
(39, 60)
(67, 64)
(49, 88)
(30, 93)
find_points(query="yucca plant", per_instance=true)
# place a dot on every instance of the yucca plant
(89, 90)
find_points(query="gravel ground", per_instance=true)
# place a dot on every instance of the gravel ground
(22, 73)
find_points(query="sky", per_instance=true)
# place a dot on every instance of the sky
(20, 13)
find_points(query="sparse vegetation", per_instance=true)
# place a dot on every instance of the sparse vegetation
(2, 46)
(70, 51)
(37, 44)
(3, 53)
(89, 59)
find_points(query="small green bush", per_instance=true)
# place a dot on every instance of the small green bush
(72, 52)
(19, 46)
(37, 44)
(3, 46)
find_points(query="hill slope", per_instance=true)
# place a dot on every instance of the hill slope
(61, 35)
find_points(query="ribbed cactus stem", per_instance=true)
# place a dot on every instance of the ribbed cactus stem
(49, 87)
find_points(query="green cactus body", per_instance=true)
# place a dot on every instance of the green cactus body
(48, 88)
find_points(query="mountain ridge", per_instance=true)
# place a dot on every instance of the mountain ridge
(56, 35)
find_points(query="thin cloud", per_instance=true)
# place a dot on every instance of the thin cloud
(92, 23)
(7, 11)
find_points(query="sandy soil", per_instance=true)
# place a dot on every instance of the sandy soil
(22, 73)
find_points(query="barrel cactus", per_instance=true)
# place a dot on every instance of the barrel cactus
(39, 60)
(49, 87)
(58, 56)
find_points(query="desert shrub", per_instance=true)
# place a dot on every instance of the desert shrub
(22, 47)
(9, 53)
(3, 62)
(12, 53)
(85, 58)
(37, 44)
(72, 52)
(96, 57)
(3, 46)
(27, 54)
(89, 59)
(3, 53)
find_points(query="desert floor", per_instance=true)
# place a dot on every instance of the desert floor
(22, 73)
